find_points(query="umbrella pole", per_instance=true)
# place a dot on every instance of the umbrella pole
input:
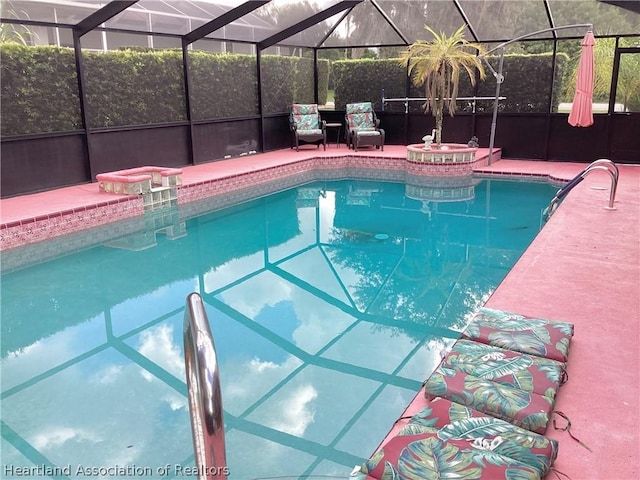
(500, 78)
(494, 119)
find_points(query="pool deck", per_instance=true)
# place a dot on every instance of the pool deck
(583, 268)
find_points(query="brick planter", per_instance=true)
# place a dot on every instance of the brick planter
(452, 154)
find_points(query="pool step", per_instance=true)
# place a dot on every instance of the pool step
(165, 220)
(159, 197)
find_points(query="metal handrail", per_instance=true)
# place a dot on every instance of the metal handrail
(406, 100)
(600, 164)
(203, 387)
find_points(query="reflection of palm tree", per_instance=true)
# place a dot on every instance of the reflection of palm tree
(430, 279)
(437, 65)
(414, 287)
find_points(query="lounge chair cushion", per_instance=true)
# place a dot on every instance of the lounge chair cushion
(306, 123)
(304, 109)
(370, 133)
(360, 107)
(360, 117)
(449, 440)
(524, 409)
(534, 336)
(313, 131)
(518, 370)
(362, 126)
(361, 121)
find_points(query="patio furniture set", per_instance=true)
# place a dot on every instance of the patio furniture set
(362, 126)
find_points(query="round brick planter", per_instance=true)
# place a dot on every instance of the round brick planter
(447, 153)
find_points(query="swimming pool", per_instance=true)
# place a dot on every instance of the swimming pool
(329, 305)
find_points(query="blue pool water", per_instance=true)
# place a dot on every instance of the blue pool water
(329, 304)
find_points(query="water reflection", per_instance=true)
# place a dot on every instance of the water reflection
(329, 303)
(442, 189)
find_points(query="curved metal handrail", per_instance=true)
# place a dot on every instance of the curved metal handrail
(600, 164)
(203, 387)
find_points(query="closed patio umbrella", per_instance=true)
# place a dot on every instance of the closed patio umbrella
(582, 109)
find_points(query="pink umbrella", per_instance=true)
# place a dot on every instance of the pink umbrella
(582, 109)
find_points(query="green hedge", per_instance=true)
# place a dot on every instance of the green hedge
(526, 86)
(130, 87)
(213, 95)
(133, 86)
(39, 90)
(288, 80)
(323, 80)
(364, 80)
(526, 83)
(278, 75)
(144, 86)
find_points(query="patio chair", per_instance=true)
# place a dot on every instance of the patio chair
(307, 126)
(363, 127)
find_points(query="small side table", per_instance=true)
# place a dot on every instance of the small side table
(338, 127)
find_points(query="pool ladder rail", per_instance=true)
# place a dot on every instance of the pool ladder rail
(600, 164)
(203, 387)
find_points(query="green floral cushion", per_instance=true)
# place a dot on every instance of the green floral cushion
(306, 123)
(449, 440)
(360, 121)
(518, 370)
(360, 118)
(359, 107)
(535, 336)
(304, 108)
(524, 409)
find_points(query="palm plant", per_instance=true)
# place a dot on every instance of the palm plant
(15, 33)
(437, 65)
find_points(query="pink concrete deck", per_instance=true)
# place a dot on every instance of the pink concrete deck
(64, 199)
(583, 268)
